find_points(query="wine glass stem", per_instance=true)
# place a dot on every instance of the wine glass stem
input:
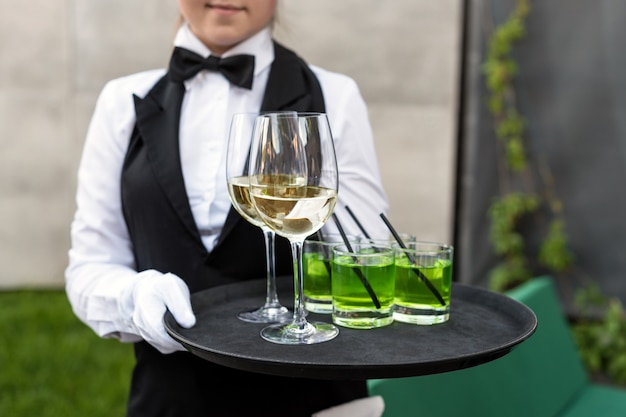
(299, 315)
(271, 298)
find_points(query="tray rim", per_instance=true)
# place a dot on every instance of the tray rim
(314, 369)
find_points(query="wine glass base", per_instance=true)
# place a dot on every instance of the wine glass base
(264, 314)
(292, 334)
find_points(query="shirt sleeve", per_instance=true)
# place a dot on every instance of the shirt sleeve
(101, 262)
(360, 182)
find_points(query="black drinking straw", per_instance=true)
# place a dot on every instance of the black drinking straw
(358, 272)
(419, 273)
(357, 222)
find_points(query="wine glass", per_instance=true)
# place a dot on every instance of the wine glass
(293, 185)
(237, 153)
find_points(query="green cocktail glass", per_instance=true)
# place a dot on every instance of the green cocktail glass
(415, 301)
(316, 272)
(363, 286)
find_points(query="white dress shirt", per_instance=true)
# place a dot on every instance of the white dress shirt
(101, 262)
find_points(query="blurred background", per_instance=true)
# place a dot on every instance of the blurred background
(57, 56)
(421, 66)
(499, 124)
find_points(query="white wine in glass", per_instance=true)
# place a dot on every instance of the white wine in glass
(239, 139)
(293, 186)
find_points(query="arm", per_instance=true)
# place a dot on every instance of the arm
(102, 284)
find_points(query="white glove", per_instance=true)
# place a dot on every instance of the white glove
(145, 302)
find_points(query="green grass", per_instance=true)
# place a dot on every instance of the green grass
(53, 365)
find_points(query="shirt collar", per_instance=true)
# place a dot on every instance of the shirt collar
(260, 45)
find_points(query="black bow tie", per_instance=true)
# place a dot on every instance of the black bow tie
(238, 69)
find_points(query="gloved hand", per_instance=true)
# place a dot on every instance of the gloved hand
(145, 302)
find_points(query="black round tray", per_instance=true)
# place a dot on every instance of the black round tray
(483, 326)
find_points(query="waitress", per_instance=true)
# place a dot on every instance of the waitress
(154, 222)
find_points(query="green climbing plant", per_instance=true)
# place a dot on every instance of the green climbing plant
(526, 194)
(523, 193)
(601, 337)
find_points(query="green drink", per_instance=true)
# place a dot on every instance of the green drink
(363, 286)
(419, 264)
(317, 290)
(316, 271)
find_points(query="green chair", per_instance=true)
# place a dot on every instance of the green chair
(542, 377)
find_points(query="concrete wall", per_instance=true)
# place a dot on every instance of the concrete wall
(55, 56)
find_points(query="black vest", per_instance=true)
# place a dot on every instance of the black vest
(165, 238)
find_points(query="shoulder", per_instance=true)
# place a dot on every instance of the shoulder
(329, 80)
(341, 92)
(116, 103)
(334, 80)
(125, 87)
(114, 113)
